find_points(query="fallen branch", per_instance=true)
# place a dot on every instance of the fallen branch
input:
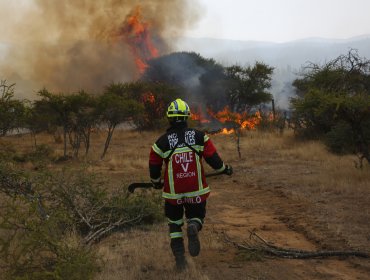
(257, 244)
(97, 233)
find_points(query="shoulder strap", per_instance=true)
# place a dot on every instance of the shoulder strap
(194, 150)
(172, 151)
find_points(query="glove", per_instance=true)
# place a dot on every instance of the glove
(157, 184)
(228, 170)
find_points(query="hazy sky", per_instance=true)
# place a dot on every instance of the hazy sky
(283, 20)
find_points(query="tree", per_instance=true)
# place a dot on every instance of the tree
(76, 113)
(154, 98)
(206, 82)
(113, 110)
(57, 108)
(82, 118)
(198, 79)
(247, 86)
(11, 110)
(334, 101)
(35, 119)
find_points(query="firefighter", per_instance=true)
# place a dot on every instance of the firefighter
(185, 189)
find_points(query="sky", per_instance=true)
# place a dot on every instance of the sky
(282, 20)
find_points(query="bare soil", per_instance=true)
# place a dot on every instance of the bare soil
(292, 194)
(273, 196)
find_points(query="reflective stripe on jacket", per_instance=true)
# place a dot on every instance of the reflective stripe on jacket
(182, 150)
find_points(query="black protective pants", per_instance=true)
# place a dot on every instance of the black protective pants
(194, 212)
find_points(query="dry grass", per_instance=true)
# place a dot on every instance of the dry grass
(128, 157)
(335, 171)
(305, 169)
(145, 254)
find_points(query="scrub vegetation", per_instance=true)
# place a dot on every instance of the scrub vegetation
(300, 179)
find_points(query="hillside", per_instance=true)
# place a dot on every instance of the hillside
(281, 55)
(287, 58)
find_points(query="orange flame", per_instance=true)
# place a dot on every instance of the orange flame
(198, 116)
(137, 35)
(148, 98)
(227, 131)
(241, 119)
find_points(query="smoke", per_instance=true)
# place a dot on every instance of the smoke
(71, 45)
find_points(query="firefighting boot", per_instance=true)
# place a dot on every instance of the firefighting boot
(193, 239)
(178, 250)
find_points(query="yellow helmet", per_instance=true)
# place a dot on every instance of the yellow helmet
(178, 108)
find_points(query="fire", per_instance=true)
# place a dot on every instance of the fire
(229, 118)
(148, 98)
(198, 116)
(227, 131)
(252, 122)
(242, 119)
(136, 33)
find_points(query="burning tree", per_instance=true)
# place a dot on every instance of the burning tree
(153, 97)
(236, 122)
(195, 78)
(209, 87)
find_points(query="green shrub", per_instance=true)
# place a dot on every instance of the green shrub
(48, 221)
(39, 157)
(89, 202)
(340, 139)
(42, 152)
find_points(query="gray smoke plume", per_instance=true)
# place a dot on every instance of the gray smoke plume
(71, 45)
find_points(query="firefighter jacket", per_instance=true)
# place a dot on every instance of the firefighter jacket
(182, 149)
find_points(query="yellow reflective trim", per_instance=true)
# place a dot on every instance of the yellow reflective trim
(176, 234)
(199, 169)
(166, 154)
(158, 180)
(198, 148)
(158, 150)
(189, 194)
(170, 177)
(221, 169)
(187, 149)
(178, 222)
(183, 150)
(196, 219)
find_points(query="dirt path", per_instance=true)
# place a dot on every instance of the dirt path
(239, 206)
(278, 189)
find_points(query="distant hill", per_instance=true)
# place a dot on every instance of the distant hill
(287, 58)
(294, 53)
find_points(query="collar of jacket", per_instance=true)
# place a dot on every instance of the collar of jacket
(177, 126)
